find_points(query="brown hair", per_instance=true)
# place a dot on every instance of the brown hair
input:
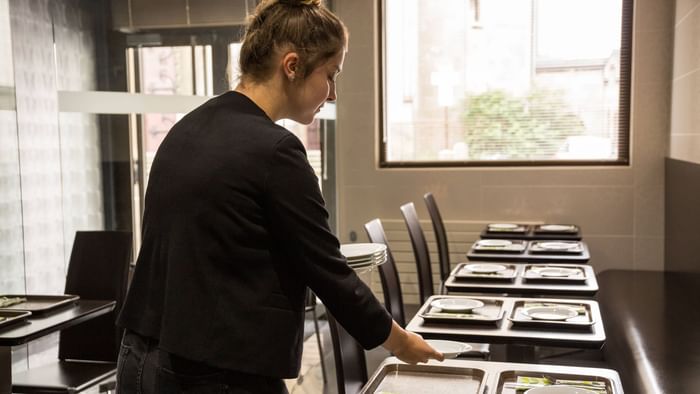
(304, 26)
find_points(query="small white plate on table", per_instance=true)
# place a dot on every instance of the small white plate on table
(559, 389)
(557, 227)
(449, 349)
(497, 243)
(550, 313)
(485, 268)
(556, 272)
(456, 304)
(503, 226)
(558, 245)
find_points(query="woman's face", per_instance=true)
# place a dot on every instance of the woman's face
(311, 93)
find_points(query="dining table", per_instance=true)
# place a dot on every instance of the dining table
(458, 376)
(501, 320)
(571, 280)
(37, 326)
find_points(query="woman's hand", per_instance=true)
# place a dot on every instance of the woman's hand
(409, 347)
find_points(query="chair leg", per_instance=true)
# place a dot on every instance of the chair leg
(320, 348)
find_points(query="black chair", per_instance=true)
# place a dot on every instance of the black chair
(440, 236)
(425, 274)
(391, 285)
(310, 306)
(87, 352)
(420, 251)
(349, 356)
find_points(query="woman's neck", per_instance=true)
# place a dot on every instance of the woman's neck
(268, 95)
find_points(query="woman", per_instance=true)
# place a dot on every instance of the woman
(235, 228)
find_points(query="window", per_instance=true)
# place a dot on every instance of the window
(505, 82)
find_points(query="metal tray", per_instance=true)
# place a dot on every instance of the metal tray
(582, 321)
(491, 313)
(516, 246)
(535, 247)
(461, 274)
(530, 274)
(11, 317)
(539, 230)
(38, 304)
(509, 377)
(426, 379)
(521, 229)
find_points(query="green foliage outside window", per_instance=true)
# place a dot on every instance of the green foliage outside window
(502, 126)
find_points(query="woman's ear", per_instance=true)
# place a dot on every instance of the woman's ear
(290, 65)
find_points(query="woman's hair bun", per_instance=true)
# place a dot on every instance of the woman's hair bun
(299, 3)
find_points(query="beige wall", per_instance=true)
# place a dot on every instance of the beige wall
(685, 114)
(619, 208)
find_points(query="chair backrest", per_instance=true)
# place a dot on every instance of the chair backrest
(391, 285)
(98, 269)
(350, 363)
(440, 235)
(420, 251)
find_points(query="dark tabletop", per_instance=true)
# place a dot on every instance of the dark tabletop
(653, 319)
(504, 332)
(38, 326)
(520, 285)
(530, 234)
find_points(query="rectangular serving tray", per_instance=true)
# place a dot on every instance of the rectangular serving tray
(539, 230)
(38, 304)
(461, 273)
(521, 229)
(491, 313)
(426, 379)
(8, 318)
(536, 248)
(517, 246)
(582, 321)
(530, 274)
(508, 377)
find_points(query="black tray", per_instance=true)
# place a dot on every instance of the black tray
(11, 317)
(38, 304)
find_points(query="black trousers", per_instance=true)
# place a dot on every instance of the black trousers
(145, 369)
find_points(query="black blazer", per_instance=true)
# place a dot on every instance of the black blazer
(234, 230)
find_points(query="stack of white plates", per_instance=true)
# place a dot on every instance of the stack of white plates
(361, 256)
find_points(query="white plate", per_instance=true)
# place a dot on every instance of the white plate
(449, 349)
(494, 242)
(559, 389)
(556, 272)
(503, 226)
(456, 304)
(558, 245)
(356, 251)
(552, 313)
(485, 268)
(557, 227)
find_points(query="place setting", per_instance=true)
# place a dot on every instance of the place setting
(509, 228)
(499, 246)
(552, 315)
(363, 257)
(485, 271)
(556, 247)
(461, 310)
(554, 273)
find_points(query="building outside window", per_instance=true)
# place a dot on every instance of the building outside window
(505, 82)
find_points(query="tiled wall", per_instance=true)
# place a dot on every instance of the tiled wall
(685, 117)
(683, 165)
(621, 209)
